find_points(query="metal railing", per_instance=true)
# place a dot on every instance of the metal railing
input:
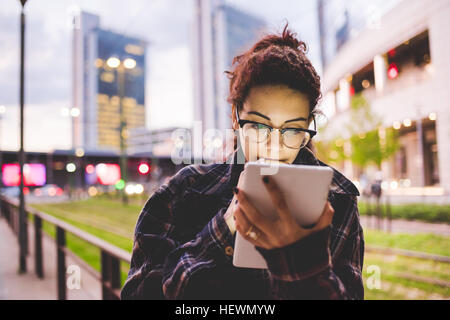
(111, 256)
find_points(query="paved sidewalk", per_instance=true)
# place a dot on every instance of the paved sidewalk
(406, 226)
(14, 286)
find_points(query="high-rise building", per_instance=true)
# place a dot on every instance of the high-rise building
(342, 20)
(400, 67)
(220, 33)
(97, 87)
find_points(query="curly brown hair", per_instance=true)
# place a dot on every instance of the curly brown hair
(274, 60)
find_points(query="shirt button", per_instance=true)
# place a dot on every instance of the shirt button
(229, 251)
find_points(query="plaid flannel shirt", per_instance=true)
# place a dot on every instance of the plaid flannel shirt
(183, 248)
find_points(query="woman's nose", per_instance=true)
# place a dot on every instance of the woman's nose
(275, 137)
(274, 144)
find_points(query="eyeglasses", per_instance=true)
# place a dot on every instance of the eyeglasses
(293, 138)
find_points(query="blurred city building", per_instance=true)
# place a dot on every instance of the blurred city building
(342, 20)
(106, 65)
(220, 33)
(399, 61)
(160, 143)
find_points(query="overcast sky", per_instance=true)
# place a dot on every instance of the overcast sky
(166, 24)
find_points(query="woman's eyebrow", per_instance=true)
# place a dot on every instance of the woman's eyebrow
(296, 119)
(266, 117)
(258, 114)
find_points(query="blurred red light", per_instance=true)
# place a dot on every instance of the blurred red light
(108, 174)
(52, 192)
(90, 169)
(393, 71)
(144, 168)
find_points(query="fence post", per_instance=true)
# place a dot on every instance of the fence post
(15, 220)
(110, 276)
(38, 246)
(61, 262)
(115, 276)
(105, 272)
(388, 213)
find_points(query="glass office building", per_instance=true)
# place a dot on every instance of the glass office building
(97, 87)
(220, 33)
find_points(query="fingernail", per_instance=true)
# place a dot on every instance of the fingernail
(235, 190)
(266, 179)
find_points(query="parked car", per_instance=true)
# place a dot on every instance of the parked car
(49, 190)
(14, 192)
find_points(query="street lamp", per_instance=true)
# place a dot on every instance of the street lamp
(121, 67)
(113, 62)
(129, 63)
(73, 113)
(23, 229)
(2, 111)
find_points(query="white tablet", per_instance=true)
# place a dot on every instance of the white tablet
(305, 189)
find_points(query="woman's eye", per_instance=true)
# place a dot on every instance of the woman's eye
(257, 126)
(261, 126)
(293, 130)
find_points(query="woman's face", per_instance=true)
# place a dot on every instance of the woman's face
(279, 107)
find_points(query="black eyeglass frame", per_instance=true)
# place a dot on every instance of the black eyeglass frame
(312, 133)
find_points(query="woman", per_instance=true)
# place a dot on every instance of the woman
(184, 236)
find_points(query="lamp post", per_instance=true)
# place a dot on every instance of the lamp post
(121, 67)
(2, 111)
(23, 232)
(73, 113)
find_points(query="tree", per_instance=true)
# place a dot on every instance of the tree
(370, 142)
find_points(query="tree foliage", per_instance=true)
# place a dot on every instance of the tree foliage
(371, 144)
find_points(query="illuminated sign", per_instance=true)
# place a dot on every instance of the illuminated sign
(107, 173)
(34, 174)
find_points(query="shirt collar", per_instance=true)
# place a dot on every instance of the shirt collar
(220, 178)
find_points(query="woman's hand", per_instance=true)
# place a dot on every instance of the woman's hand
(229, 217)
(229, 214)
(268, 233)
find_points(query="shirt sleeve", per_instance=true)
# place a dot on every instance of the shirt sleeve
(305, 270)
(163, 262)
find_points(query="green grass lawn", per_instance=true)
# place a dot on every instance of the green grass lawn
(433, 213)
(110, 220)
(423, 242)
